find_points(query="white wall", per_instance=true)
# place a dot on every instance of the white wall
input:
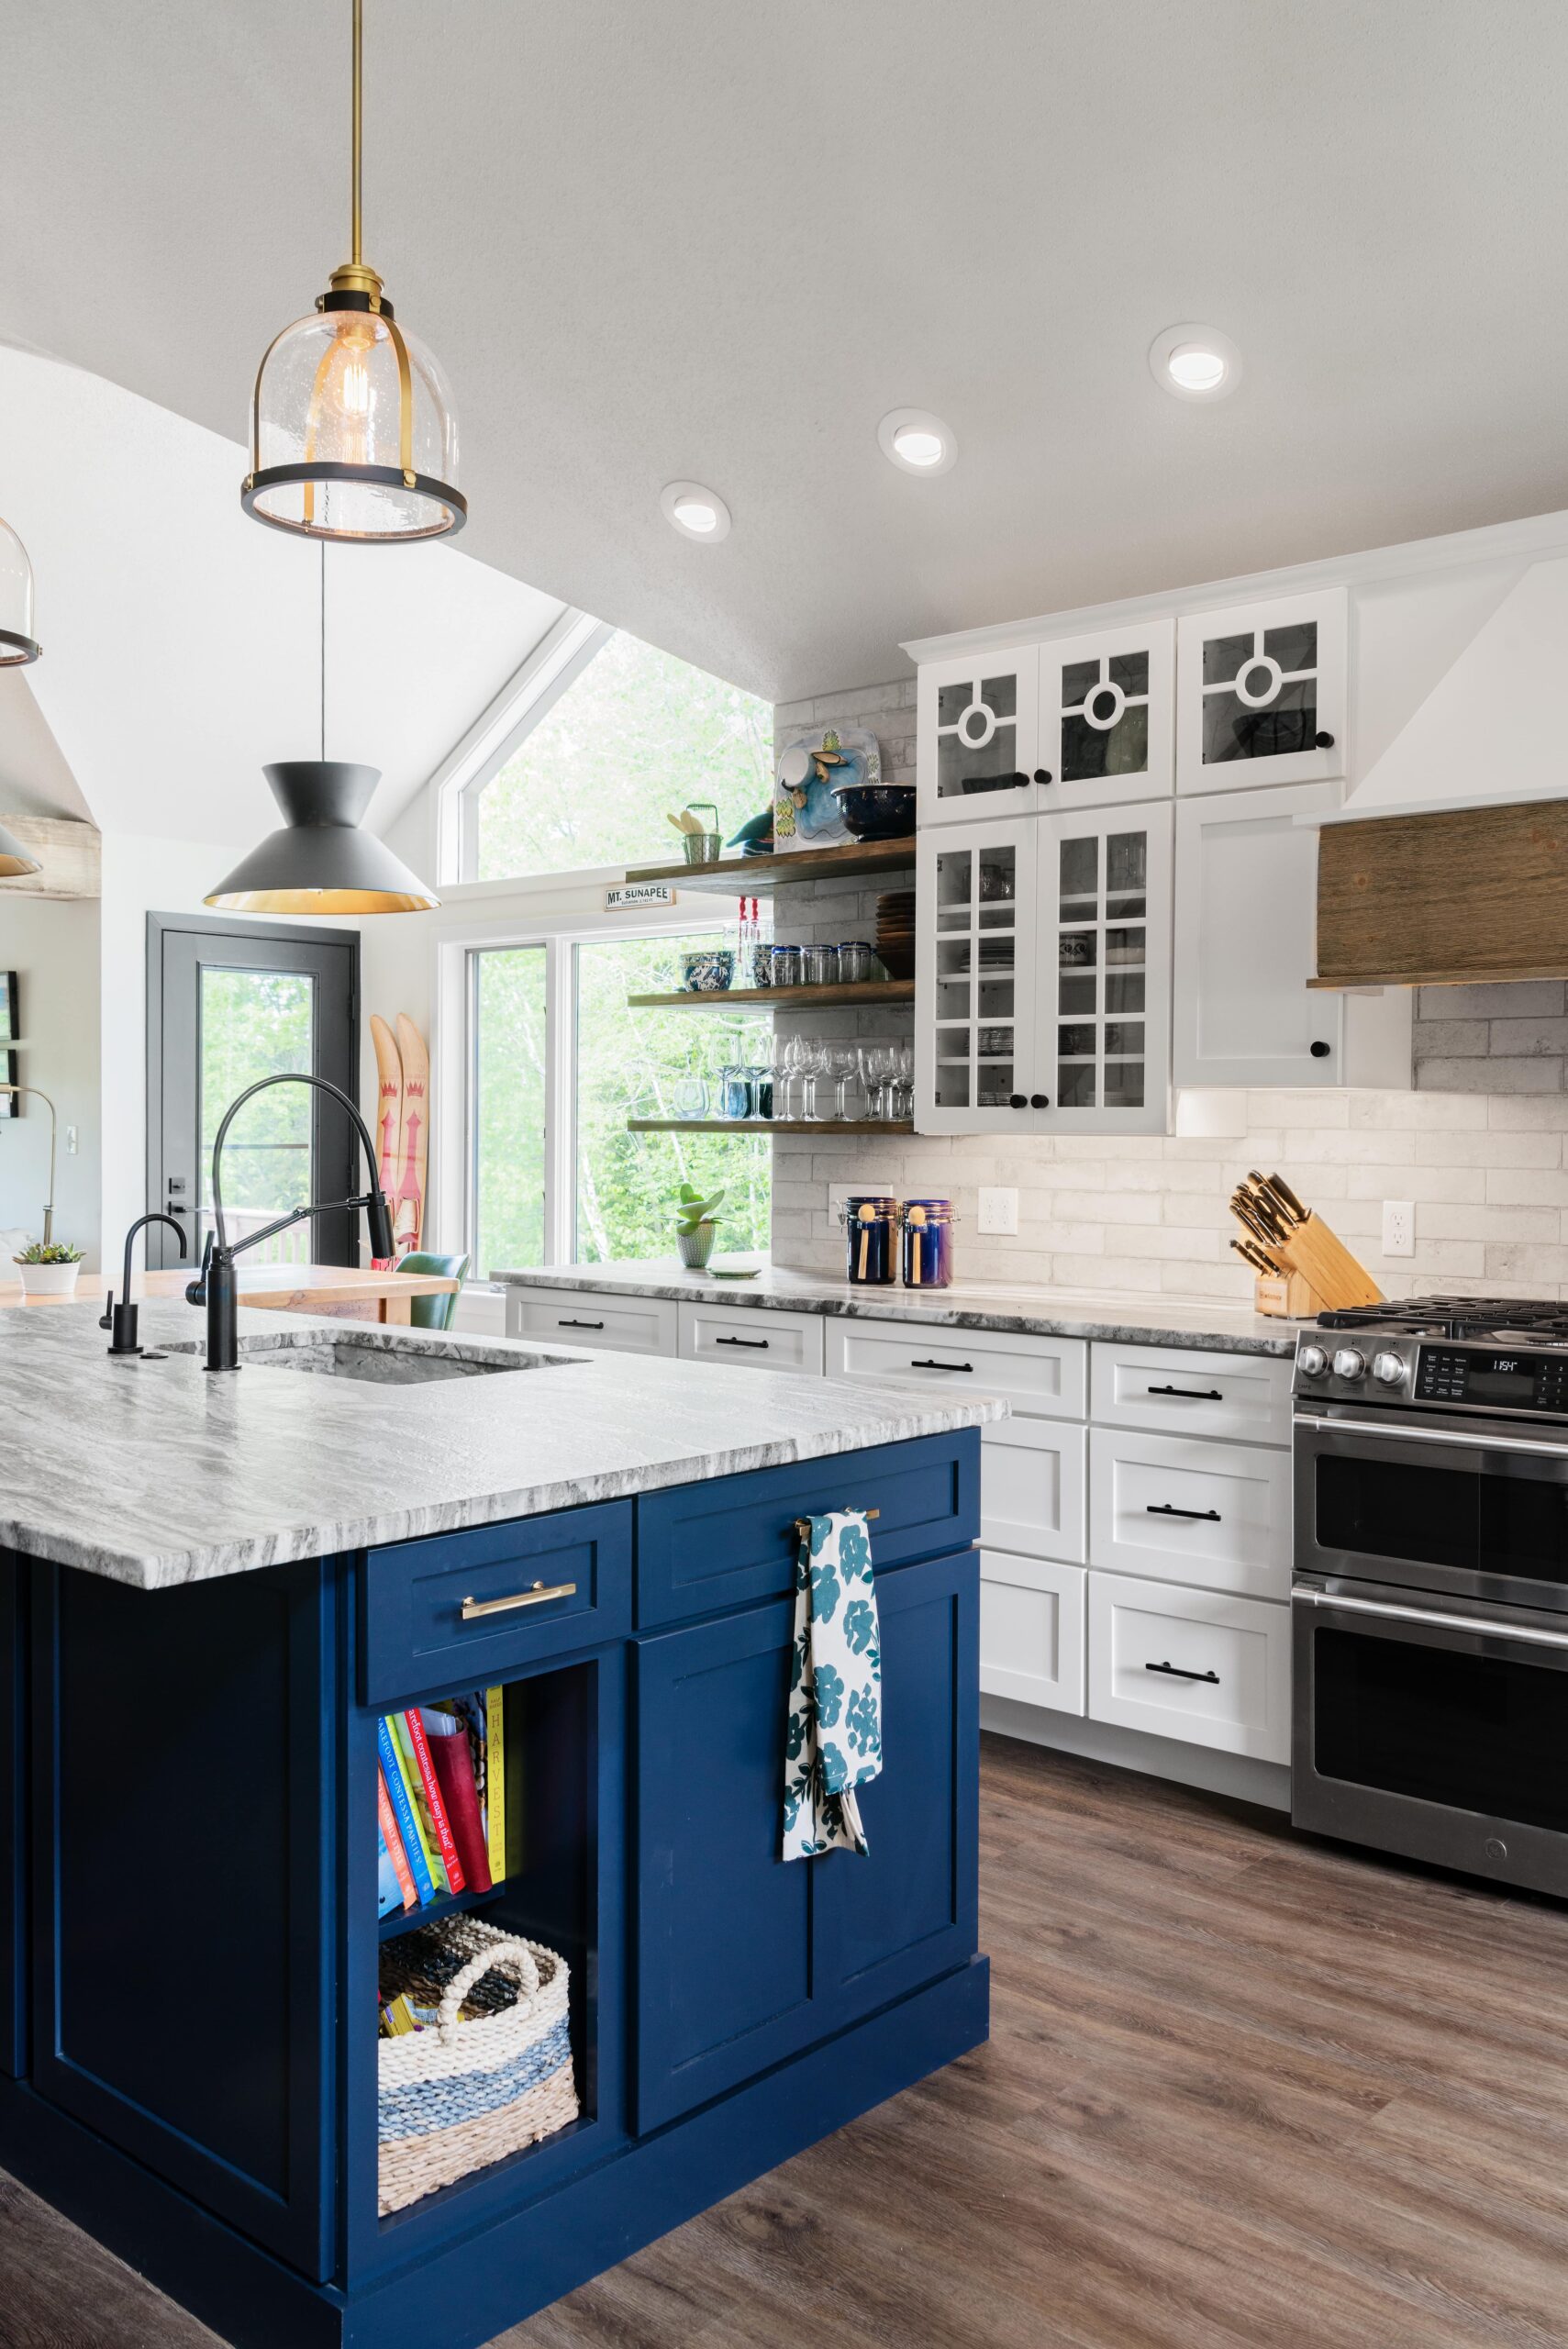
(53, 946)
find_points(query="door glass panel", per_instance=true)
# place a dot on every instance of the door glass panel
(954, 877)
(1101, 1062)
(996, 998)
(952, 957)
(1223, 657)
(1129, 671)
(976, 1042)
(1231, 730)
(1078, 950)
(1075, 1085)
(1443, 1516)
(1124, 945)
(1260, 694)
(1124, 991)
(1077, 995)
(256, 1024)
(952, 1000)
(1384, 1715)
(1124, 1036)
(1293, 648)
(1127, 862)
(1124, 1085)
(952, 1086)
(1077, 1043)
(1080, 868)
(998, 875)
(977, 736)
(994, 1085)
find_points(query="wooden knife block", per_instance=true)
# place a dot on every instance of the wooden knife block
(1321, 1275)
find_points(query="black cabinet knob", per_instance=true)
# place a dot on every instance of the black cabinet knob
(1043, 775)
(1324, 741)
(1040, 1100)
(1017, 1101)
(1319, 1051)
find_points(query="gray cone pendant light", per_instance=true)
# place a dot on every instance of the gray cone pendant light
(15, 860)
(319, 861)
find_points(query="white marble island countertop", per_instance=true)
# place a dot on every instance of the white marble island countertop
(153, 1473)
(967, 1305)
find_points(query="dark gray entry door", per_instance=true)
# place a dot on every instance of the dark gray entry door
(229, 1002)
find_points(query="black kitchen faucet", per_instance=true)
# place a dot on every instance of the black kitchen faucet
(215, 1285)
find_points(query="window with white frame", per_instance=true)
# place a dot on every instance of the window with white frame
(556, 1069)
(601, 738)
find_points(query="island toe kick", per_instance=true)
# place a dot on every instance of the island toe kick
(199, 1939)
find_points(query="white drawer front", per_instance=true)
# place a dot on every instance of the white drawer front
(1031, 1630)
(1169, 1388)
(1214, 1514)
(1045, 1376)
(630, 1325)
(751, 1335)
(1032, 1488)
(1189, 1664)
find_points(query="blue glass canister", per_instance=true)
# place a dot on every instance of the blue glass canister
(871, 1233)
(928, 1243)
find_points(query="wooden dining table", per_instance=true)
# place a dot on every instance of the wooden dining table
(344, 1292)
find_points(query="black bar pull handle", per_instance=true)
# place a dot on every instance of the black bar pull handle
(1169, 1509)
(742, 1341)
(579, 1325)
(940, 1366)
(1176, 1673)
(1191, 1394)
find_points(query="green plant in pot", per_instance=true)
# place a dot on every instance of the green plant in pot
(49, 1269)
(697, 1227)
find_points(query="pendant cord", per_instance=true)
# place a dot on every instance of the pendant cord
(358, 134)
(324, 651)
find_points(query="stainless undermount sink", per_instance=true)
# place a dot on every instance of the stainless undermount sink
(379, 1364)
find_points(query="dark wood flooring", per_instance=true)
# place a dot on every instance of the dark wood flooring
(1244, 2092)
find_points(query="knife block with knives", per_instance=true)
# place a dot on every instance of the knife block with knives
(1302, 1267)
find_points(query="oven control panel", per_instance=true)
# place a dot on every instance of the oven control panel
(1495, 1376)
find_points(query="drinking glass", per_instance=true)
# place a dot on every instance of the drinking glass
(878, 1064)
(789, 1089)
(844, 1066)
(903, 1082)
(689, 1096)
(814, 1066)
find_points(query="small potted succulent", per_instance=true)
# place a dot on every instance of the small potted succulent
(696, 1228)
(49, 1270)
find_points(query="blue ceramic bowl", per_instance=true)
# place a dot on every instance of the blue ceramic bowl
(877, 811)
(708, 971)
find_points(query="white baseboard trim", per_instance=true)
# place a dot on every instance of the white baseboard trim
(1237, 1775)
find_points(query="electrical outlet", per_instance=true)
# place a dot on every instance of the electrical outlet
(1398, 1227)
(999, 1213)
(870, 1187)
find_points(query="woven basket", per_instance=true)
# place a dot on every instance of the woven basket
(462, 2094)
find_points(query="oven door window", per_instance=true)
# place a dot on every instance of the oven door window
(1484, 1521)
(1444, 1726)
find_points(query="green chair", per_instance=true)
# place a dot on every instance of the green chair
(433, 1312)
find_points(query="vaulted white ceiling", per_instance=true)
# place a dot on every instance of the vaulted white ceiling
(716, 240)
(181, 641)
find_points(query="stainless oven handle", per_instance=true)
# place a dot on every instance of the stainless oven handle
(1405, 1433)
(1486, 1626)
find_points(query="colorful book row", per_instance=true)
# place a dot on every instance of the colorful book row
(440, 1800)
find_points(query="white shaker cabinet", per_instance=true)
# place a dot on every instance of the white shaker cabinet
(1106, 716)
(1262, 693)
(978, 726)
(1246, 943)
(1043, 974)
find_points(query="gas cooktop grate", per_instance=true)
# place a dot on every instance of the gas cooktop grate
(1457, 1317)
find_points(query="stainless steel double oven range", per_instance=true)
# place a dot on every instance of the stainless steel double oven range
(1429, 1598)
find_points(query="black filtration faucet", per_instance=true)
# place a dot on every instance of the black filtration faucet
(120, 1319)
(215, 1285)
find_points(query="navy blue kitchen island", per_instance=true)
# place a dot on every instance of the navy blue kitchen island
(188, 1894)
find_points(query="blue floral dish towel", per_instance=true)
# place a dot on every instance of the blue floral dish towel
(835, 1698)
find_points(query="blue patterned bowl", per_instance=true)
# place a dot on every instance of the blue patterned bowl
(708, 971)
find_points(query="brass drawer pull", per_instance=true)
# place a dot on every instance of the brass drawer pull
(474, 1608)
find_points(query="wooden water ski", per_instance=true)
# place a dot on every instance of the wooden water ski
(408, 1206)
(389, 1102)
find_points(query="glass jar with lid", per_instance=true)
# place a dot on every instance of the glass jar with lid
(928, 1242)
(857, 963)
(871, 1233)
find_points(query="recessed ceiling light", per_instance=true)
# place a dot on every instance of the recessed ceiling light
(919, 443)
(1195, 363)
(696, 512)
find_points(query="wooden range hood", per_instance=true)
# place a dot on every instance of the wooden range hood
(1468, 894)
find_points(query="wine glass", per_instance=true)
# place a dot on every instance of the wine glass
(790, 1090)
(878, 1064)
(814, 1065)
(903, 1082)
(844, 1067)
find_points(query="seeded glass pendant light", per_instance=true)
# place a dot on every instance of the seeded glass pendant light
(319, 861)
(18, 645)
(352, 434)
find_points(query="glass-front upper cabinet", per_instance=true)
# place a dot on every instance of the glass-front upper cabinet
(1042, 974)
(1261, 694)
(1108, 716)
(978, 752)
(978, 924)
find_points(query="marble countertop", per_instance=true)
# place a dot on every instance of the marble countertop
(1048, 1313)
(155, 1474)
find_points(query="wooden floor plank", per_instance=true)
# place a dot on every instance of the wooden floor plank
(1245, 2091)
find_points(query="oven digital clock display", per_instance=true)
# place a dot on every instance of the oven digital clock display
(1520, 1382)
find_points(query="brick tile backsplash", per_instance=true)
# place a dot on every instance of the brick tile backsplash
(1481, 1144)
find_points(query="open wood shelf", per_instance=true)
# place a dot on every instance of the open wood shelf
(868, 993)
(759, 877)
(771, 1125)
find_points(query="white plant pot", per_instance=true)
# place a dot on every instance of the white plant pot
(49, 1280)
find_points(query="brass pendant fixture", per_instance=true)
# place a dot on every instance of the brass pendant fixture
(320, 861)
(352, 434)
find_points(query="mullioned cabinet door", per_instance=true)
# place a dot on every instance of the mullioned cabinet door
(1261, 694)
(1108, 716)
(977, 728)
(745, 1958)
